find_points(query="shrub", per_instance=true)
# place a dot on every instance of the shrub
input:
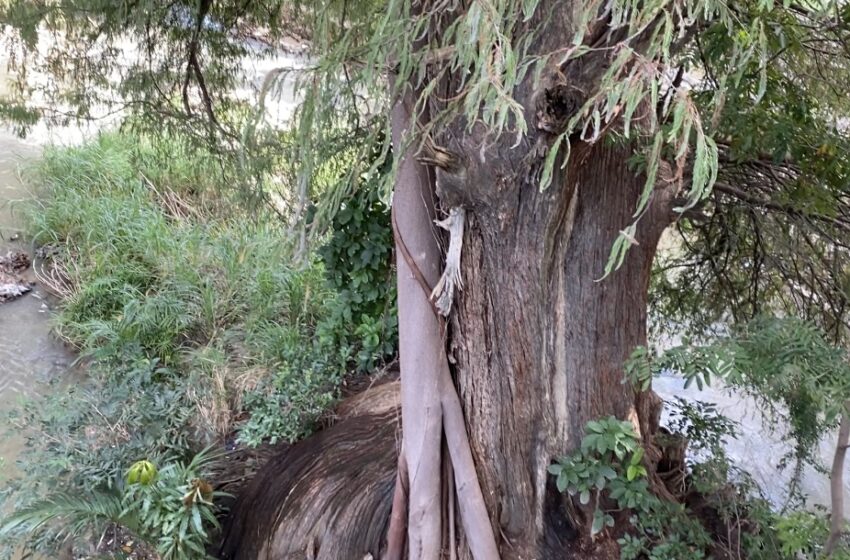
(192, 317)
(172, 511)
(358, 265)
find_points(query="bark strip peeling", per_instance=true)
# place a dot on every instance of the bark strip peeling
(444, 292)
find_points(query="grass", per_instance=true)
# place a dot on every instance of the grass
(195, 321)
(149, 263)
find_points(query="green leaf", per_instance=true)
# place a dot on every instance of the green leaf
(562, 481)
(549, 161)
(608, 472)
(598, 523)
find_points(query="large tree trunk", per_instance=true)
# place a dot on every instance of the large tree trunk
(539, 342)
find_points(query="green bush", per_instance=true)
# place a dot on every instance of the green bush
(152, 273)
(172, 511)
(608, 476)
(194, 320)
(358, 264)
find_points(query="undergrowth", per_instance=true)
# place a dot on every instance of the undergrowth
(196, 324)
(714, 510)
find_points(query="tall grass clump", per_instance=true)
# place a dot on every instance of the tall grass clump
(196, 324)
(157, 271)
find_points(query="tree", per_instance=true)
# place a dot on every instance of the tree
(560, 139)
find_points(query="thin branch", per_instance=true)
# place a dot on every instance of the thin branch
(778, 207)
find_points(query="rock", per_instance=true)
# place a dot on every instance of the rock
(12, 290)
(11, 285)
(14, 262)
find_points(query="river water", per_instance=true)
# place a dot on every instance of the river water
(29, 354)
(759, 446)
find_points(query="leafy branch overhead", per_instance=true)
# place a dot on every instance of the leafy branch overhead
(681, 78)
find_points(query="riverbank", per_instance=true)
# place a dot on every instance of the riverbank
(29, 354)
(199, 330)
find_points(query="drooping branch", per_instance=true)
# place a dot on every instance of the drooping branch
(191, 59)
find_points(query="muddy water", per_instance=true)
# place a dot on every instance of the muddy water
(760, 446)
(29, 355)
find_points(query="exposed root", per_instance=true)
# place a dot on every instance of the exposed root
(398, 517)
(470, 500)
(327, 497)
(450, 480)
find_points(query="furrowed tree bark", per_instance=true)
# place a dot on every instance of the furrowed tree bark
(836, 482)
(537, 342)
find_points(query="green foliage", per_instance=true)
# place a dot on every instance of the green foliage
(771, 240)
(172, 512)
(798, 378)
(176, 511)
(610, 461)
(61, 515)
(287, 406)
(704, 427)
(358, 263)
(607, 473)
(610, 455)
(207, 297)
(194, 319)
(802, 534)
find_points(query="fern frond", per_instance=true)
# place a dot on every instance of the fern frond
(68, 514)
